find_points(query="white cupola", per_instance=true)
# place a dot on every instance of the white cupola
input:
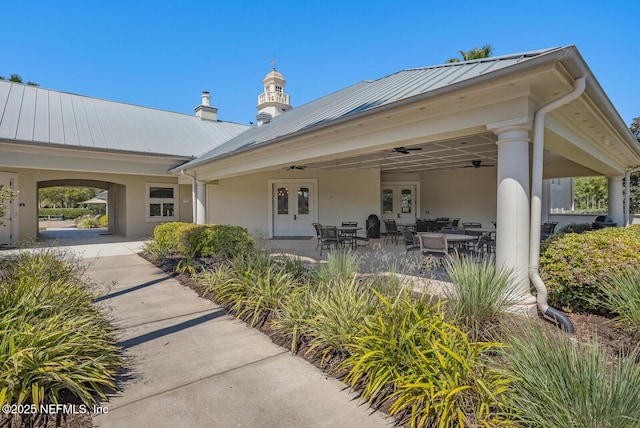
(273, 101)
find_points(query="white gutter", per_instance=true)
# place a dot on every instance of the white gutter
(536, 200)
(193, 195)
(627, 197)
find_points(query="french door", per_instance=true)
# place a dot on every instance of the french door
(398, 202)
(293, 208)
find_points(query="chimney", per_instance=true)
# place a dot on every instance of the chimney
(204, 110)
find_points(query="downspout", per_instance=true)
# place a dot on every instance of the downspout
(627, 197)
(536, 205)
(193, 195)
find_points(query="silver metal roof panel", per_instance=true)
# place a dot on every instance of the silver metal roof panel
(37, 115)
(366, 96)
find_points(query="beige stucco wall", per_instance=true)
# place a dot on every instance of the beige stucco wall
(468, 193)
(342, 195)
(134, 199)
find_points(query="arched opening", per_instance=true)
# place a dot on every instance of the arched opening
(113, 205)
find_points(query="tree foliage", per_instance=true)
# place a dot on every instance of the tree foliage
(475, 53)
(635, 128)
(65, 197)
(16, 78)
(591, 193)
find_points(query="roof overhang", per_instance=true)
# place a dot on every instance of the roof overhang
(449, 126)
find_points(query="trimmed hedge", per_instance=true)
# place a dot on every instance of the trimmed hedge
(69, 213)
(574, 265)
(203, 240)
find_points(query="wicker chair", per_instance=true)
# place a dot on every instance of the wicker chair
(434, 244)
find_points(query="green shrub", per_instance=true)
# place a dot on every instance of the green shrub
(166, 235)
(53, 340)
(575, 228)
(431, 372)
(200, 240)
(103, 221)
(69, 213)
(215, 240)
(87, 223)
(573, 265)
(621, 296)
(559, 382)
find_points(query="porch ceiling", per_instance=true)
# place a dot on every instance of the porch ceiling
(447, 154)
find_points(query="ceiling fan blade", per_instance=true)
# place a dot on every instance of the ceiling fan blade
(404, 150)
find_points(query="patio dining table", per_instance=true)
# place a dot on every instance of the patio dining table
(348, 233)
(456, 239)
(480, 230)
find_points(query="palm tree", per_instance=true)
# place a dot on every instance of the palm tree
(17, 79)
(475, 53)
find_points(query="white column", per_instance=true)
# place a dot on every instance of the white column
(616, 209)
(201, 202)
(513, 216)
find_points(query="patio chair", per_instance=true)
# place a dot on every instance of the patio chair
(482, 247)
(317, 227)
(455, 222)
(422, 226)
(410, 241)
(329, 237)
(434, 244)
(365, 239)
(547, 229)
(392, 231)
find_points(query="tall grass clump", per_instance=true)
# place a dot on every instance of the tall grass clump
(251, 288)
(428, 369)
(340, 265)
(621, 297)
(480, 293)
(340, 307)
(562, 383)
(53, 340)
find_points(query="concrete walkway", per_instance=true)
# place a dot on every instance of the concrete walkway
(188, 364)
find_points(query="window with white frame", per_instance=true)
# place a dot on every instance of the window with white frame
(161, 202)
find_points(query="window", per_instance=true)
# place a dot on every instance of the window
(279, 89)
(161, 202)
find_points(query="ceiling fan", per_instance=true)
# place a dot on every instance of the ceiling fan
(477, 163)
(404, 150)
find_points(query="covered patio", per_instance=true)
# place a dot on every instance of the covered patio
(474, 140)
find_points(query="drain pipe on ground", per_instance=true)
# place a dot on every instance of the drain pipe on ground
(193, 195)
(536, 206)
(627, 197)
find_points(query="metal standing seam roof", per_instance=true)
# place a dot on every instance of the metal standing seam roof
(42, 116)
(365, 96)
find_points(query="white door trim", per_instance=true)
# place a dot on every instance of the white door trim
(405, 183)
(11, 181)
(311, 182)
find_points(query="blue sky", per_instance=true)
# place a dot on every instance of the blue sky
(162, 54)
